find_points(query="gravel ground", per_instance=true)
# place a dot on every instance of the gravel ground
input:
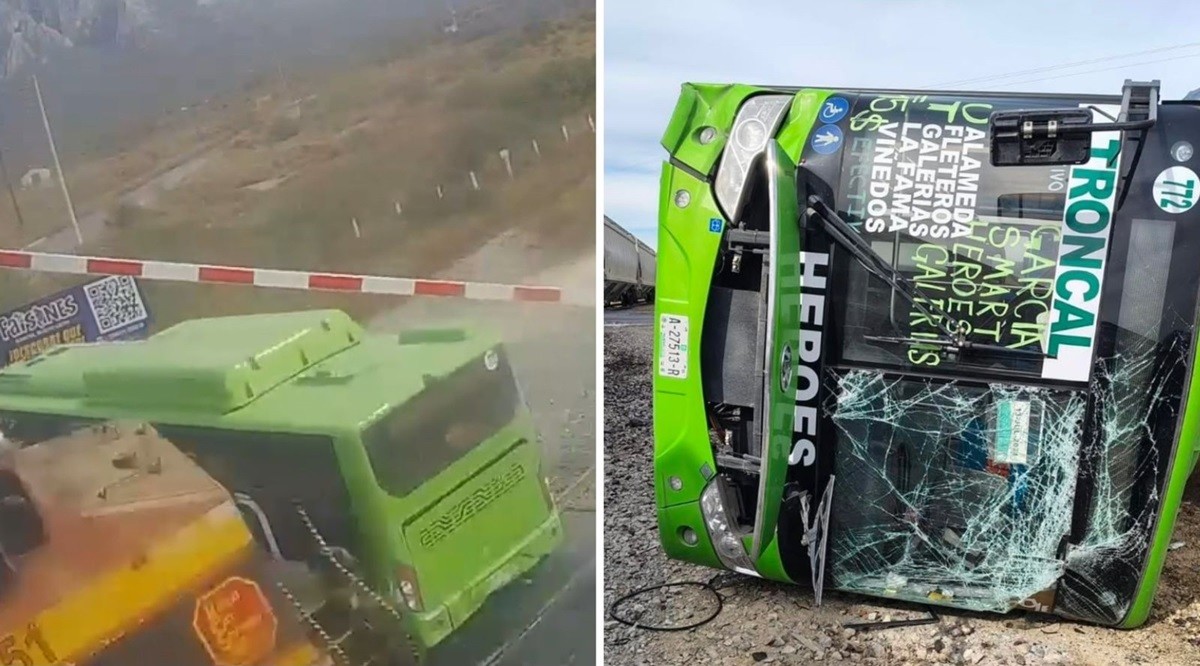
(770, 623)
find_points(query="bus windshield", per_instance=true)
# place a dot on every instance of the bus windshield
(450, 417)
(982, 244)
(992, 460)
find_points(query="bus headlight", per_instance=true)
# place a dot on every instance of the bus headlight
(729, 547)
(757, 121)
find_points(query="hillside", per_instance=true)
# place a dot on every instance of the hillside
(108, 67)
(276, 175)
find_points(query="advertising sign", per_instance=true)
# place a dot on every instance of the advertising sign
(111, 308)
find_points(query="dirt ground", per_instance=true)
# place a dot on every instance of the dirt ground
(763, 622)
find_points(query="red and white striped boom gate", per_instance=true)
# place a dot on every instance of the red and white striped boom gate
(44, 262)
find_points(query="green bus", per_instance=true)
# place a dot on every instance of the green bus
(929, 345)
(413, 457)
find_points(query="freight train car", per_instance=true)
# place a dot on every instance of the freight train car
(629, 267)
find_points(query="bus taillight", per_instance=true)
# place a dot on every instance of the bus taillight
(410, 590)
(544, 482)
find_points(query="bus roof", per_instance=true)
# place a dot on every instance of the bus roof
(1097, 98)
(309, 371)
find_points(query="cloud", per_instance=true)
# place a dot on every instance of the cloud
(650, 48)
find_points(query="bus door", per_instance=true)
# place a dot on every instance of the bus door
(782, 345)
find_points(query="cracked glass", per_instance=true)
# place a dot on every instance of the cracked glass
(996, 495)
(952, 492)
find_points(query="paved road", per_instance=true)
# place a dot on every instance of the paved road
(91, 226)
(565, 631)
(94, 224)
(548, 620)
(640, 315)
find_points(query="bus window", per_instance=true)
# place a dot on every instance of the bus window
(997, 279)
(449, 418)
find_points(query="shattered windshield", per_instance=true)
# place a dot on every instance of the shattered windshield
(952, 492)
(967, 494)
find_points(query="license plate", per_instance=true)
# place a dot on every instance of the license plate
(673, 355)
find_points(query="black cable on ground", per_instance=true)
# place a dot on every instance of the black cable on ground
(612, 611)
(714, 585)
(728, 579)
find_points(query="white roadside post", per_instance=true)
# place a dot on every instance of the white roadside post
(504, 155)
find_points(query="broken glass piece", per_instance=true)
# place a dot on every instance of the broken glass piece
(1124, 464)
(816, 536)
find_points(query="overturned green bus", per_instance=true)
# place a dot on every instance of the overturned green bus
(932, 346)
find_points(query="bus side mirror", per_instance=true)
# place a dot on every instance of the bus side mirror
(1040, 137)
(1046, 137)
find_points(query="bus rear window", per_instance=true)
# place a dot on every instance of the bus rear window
(450, 417)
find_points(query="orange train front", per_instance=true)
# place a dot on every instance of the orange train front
(118, 551)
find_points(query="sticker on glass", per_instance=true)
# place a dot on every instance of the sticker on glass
(827, 139)
(1012, 432)
(1175, 189)
(785, 368)
(834, 109)
(673, 348)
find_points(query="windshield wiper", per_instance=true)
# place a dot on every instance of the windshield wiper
(953, 333)
(956, 344)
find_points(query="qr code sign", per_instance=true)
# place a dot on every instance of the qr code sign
(115, 302)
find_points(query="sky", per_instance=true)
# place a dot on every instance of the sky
(649, 50)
